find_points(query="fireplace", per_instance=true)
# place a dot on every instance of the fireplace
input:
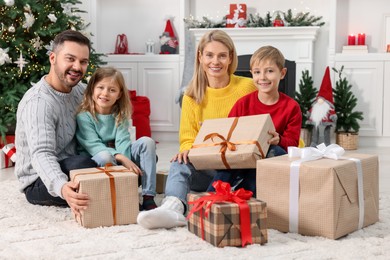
(286, 85)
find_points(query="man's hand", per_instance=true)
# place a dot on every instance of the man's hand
(76, 201)
(181, 157)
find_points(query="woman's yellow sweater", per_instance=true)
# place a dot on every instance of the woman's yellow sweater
(217, 103)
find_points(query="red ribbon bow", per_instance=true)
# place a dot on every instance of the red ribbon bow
(223, 193)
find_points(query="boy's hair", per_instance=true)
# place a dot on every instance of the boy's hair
(122, 108)
(72, 36)
(268, 53)
(197, 86)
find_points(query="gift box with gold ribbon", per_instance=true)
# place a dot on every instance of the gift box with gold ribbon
(113, 194)
(319, 191)
(227, 218)
(231, 143)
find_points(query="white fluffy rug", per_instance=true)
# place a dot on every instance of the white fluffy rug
(35, 232)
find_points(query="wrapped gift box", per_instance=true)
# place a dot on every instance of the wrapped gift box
(161, 180)
(214, 145)
(237, 16)
(222, 225)
(113, 193)
(327, 200)
(7, 156)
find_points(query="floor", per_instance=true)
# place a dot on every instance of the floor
(166, 150)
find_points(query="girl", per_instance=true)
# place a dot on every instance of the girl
(102, 130)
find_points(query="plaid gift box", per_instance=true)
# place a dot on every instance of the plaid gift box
(221, 223)
(231, 143)
(161, 180)
(321, 197)
(113, 194)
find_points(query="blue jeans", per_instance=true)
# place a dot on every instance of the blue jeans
(244, 178)
(182, 177)
(36, 193)
(143, 154)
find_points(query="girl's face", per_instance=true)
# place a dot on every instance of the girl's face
(215, 59)
(266, 76)
(105, 93)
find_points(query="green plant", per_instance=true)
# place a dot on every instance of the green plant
(27, 29)
(306, 96)
(345, 103)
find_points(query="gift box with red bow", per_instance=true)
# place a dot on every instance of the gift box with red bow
(231, 143)
(113, 194)
(226, 218)
(319, 192)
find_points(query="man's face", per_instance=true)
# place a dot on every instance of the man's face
(70, 63)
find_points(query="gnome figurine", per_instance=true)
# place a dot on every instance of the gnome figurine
(322, 114)
(168, 40)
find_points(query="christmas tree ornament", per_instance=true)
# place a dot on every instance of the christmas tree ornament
(11, 29)
(30, 19)
(52, 18)
(9, 2)
(168, 40)
(4, 58)
(21, 62)
(278, 21)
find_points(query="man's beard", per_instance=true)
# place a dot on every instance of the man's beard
(319, 112)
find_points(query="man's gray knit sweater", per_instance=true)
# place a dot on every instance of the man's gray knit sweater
(45, 134)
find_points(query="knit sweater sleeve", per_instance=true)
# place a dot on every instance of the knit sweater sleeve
(189, 123)
(122, 139)
(88, 135)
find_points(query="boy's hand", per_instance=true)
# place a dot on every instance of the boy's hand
(275, 139)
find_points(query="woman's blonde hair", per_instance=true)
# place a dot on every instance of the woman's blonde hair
(122, 108)
(197, 86)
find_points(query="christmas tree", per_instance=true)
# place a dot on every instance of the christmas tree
(27, 30)
(306, 96)
(345, 103)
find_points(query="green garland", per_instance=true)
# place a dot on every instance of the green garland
(300, 19)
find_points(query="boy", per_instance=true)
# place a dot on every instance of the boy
(267, 68)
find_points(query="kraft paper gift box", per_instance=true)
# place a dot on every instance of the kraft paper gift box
(324, 197)
(113, 193)
(231, 143)
(161, 180)
(222, 226)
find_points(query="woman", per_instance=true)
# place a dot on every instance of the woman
(211, 93)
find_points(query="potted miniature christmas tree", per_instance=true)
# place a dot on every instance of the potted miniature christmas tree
(305, 98)
(347, 126)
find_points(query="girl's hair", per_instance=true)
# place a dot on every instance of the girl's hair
(199, 82)
(122, 108)
(268, 53)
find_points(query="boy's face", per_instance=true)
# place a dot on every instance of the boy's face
(266, 76)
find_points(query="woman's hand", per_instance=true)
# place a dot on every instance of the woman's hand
(275, 139)
(129, 164)
(181, 157)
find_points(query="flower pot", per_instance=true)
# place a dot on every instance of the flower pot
(349, 141)
(306, 136)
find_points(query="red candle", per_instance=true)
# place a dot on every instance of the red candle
(361, 39)
(351, 39)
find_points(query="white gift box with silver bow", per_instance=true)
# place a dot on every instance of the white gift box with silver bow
(320, 192)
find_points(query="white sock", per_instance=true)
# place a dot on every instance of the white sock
(168, 215)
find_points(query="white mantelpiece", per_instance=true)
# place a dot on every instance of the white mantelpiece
(296, 43)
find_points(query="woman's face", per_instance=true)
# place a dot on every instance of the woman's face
(215, 59)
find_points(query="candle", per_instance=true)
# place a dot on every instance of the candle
(361, 39)
(351, 39)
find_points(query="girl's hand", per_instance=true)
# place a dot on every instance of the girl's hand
(129, 164)
(181, 157)
(275, 139)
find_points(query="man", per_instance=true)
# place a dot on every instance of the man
(46, 125)
(322, 114)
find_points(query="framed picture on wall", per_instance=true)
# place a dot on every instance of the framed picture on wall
(387, 33)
